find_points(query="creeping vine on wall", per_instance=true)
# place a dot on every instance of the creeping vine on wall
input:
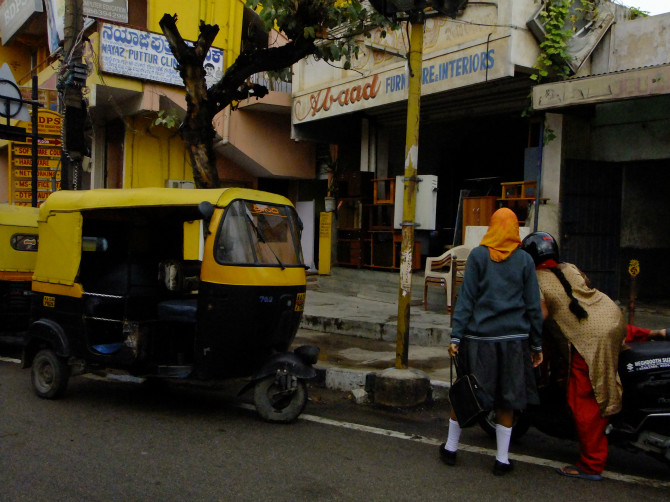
(553, 50)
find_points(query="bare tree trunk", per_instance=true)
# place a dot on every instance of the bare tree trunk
(197, 130)
(203, 104)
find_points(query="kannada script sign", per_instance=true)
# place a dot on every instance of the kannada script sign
(145, 55)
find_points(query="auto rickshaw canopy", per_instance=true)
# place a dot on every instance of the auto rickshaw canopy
(18, 238)
(61, 219)
(101, 198)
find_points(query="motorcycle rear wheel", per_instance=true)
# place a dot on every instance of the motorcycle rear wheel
(275, 405)
(521, 424)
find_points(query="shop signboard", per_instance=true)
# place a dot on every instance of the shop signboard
(14, 14)
(112, 10)
(48, 160)
(472, 65)
(147, 56)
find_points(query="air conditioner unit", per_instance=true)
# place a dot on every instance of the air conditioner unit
(586, 33)
(179, 184)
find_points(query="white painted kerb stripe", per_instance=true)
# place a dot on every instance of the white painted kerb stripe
(476, 449)
(435, 442)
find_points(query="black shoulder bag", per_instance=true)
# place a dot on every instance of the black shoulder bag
(464, 395)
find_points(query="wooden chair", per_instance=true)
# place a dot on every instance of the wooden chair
(458, 267)
(439, 272)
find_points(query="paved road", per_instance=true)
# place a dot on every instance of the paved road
(118, 441)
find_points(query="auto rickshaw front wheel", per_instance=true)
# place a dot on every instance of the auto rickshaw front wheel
(278, 402)
(49, 374)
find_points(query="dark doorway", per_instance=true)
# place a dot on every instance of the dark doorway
(591, 221)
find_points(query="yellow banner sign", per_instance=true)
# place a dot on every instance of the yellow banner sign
(43, 163)
(48, 123)
(41, 185)
(28, 196)
(42, 174)
(41, 151)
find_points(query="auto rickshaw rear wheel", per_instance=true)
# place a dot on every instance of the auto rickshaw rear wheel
(276, 404)
(49, 374)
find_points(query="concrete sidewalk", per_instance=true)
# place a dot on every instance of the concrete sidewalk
(352, 318)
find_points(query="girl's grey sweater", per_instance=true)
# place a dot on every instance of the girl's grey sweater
(499, 300)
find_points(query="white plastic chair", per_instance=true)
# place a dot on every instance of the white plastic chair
(439, 272)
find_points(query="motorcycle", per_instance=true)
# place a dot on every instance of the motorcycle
(164, 283)
(643, 424)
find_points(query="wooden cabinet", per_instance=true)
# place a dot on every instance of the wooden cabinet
(383, 250)
(349, 248)
(365, 233)
(477, 211)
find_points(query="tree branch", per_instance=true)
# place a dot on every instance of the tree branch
(223, 92)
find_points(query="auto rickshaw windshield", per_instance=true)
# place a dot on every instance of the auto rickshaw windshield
(258, 234)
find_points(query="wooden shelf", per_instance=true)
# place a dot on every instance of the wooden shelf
(518, 190)
(366, 237)
(383, 191)
(512, 199)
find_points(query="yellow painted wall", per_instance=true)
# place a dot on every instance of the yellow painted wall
(18, 59)
(227, 14)
(153, 155)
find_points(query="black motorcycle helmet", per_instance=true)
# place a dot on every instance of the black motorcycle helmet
(541, 246)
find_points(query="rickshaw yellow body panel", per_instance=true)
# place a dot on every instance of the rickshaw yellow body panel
(16, 265)
(60, 249)
(60, 227)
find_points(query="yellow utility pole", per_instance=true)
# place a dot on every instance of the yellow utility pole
(415, 59)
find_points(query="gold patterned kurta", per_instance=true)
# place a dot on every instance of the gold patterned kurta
(598, 338)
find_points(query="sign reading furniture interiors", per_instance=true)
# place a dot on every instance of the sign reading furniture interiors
(473, 65)
(144, 55)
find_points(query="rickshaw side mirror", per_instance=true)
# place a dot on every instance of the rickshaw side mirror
(206, 210)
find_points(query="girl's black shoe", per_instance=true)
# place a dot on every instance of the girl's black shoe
(448, 457)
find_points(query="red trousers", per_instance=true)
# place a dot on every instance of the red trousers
(590, 425)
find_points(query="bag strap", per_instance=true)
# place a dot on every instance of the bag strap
(453, 363)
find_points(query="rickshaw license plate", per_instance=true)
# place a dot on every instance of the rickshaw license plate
(300, 302)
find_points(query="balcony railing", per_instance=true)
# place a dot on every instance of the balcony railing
(273, 84)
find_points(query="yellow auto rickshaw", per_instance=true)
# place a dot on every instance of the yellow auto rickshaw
(171, 283)
(18, 253)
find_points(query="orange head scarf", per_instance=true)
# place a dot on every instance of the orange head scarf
(502, 237)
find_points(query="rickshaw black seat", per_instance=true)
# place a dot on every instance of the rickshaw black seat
(184, 310)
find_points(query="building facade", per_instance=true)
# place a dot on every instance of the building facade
(131, 81)
(480, 141)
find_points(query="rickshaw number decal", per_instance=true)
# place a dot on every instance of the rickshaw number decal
(49, 301)
(300, 302)
(266, 299)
